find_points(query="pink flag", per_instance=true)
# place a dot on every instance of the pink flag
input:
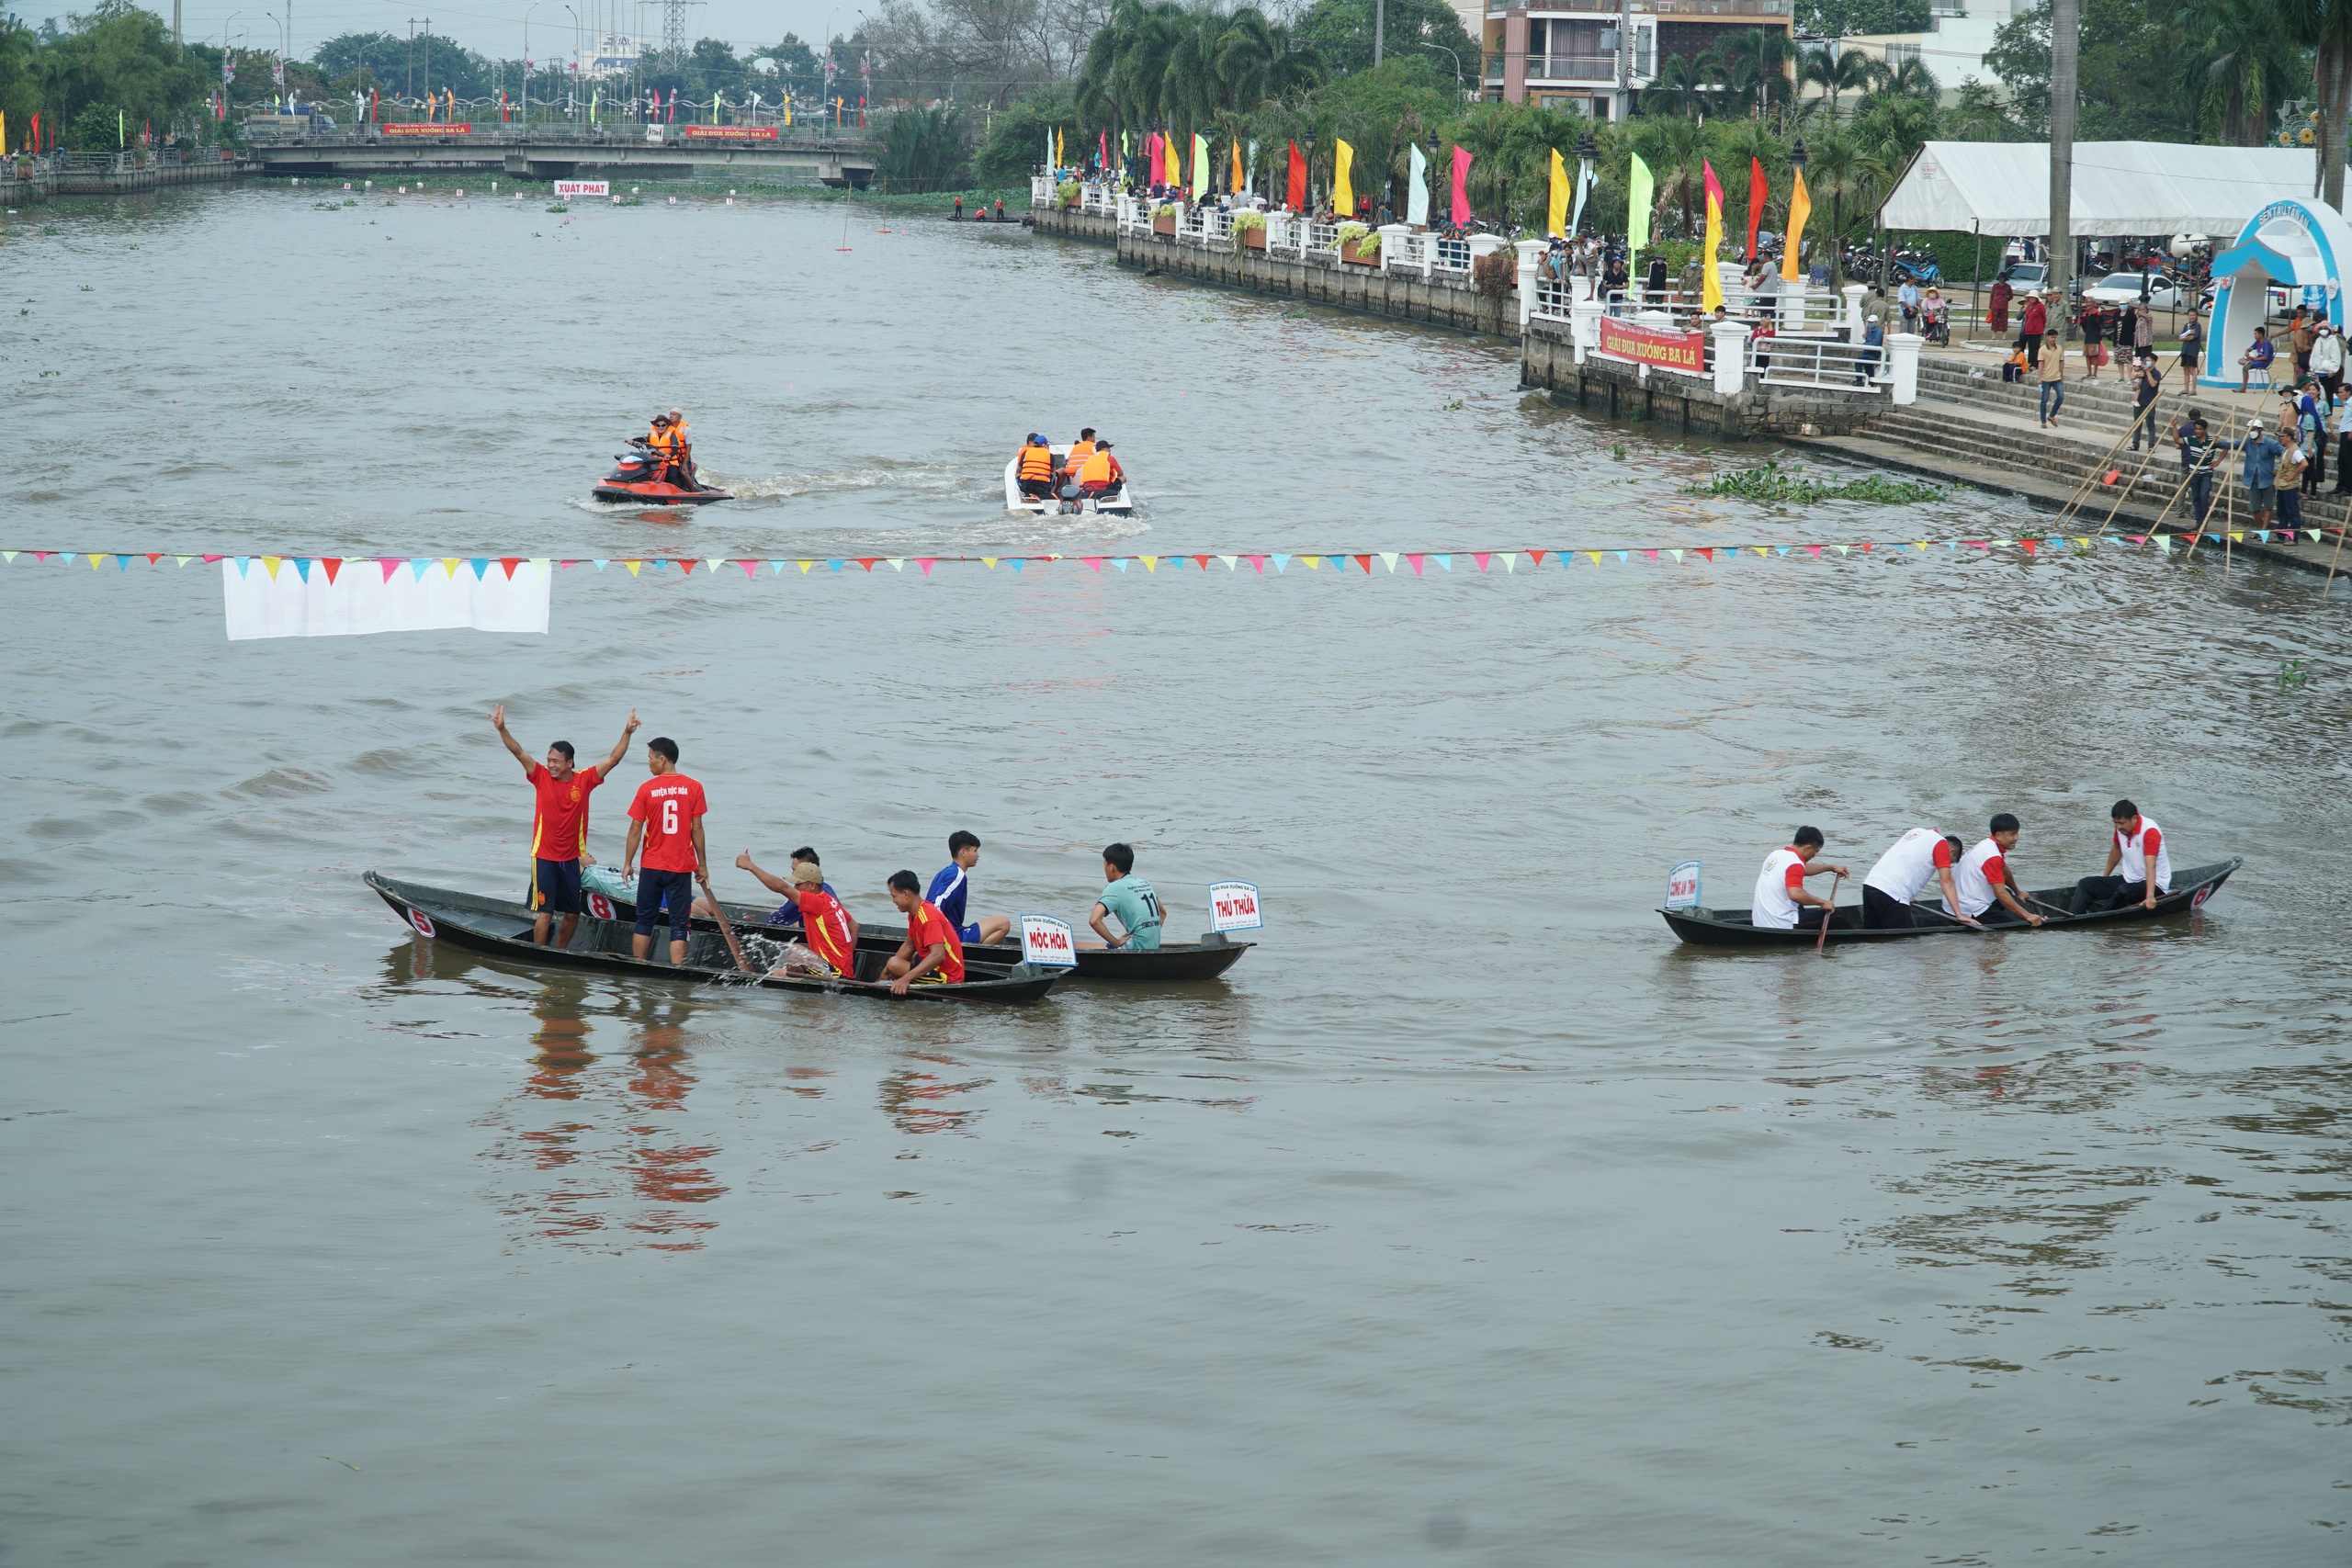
(1461, 185)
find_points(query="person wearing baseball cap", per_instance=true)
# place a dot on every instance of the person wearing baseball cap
(2259, 468)
(1035, 469)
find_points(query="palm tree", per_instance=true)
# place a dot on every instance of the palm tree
(1838, 168)
(2236, 63)
(2326, 26)
(1682, 82)
(1760, 55)
(1836, 72)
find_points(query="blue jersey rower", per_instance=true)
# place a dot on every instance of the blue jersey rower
(953, 882)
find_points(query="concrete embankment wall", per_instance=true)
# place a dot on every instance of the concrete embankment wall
(1398, 296)
(1547, 360)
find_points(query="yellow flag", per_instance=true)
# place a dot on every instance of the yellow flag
(1200, 167)
(1343, 190)
(1800, 208)
(1057, 148)
(1172, 169)
(1558, 223)
(1711, 279)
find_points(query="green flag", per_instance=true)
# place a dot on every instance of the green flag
(121, 140)
(1639, 190)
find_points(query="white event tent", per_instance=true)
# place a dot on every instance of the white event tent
(2120, 187)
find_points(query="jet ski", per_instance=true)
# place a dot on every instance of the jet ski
(632, 479)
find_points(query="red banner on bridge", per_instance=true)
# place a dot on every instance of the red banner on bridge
(1653, 346)
(428, 130)
(728, 132)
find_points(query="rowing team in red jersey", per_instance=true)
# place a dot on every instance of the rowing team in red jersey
(1979, 886)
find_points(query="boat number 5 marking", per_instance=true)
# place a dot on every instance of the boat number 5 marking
(423, 923)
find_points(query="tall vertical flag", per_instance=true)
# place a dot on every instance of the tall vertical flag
(1049, 151)
(1175, 161)
(1757, 191)
(1343, 184)
(1250, 174)
(1640, 191)
(1800, 208)
(1295, 191)
(1200, 167)
(1711, 282)
(1417, 195)
(1240, 180)
(1061, 158)
(1102, 151)
(1555, 219)
(1461, 185)
(1584, 189)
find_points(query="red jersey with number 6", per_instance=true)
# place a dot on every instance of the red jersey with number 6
(667, 805)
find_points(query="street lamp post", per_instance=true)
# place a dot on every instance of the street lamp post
(527, 64)
(575, 62)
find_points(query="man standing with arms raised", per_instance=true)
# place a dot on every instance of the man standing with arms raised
(665, 819)
(558, 824)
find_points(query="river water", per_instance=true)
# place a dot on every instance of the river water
(1470, 1219)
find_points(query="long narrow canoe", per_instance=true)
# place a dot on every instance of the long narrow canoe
(503, 927)
(1170, 963)
(1731, 927)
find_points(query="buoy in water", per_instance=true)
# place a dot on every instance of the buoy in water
(404, 190)
(673, 201)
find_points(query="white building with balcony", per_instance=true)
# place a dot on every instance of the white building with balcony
(1567, 51)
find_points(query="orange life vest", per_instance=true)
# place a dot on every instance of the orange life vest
(1079, 452)
(1097, 471)
(1036, 463)
(662, 438)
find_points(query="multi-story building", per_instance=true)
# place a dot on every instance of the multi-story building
(1958, 34)
(1567, 51)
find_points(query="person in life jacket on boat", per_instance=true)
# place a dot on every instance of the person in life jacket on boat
(1035, 473)
(1100, 475)
(1066, 468)
(663, 440)
(681, 453)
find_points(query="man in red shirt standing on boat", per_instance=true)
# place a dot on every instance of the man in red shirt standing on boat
(665, 821)
(558, 824)
(933, 952)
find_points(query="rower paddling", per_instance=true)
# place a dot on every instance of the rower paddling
(2138, 846)
(1984, 878)
(1894, 882)
(1779, 886)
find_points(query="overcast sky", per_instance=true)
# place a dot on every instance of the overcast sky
(493, 27)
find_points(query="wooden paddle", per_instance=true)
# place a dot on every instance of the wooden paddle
(718, 913)
(1822, 940)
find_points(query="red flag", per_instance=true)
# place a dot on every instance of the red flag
(1756, 193)
(1296, 197)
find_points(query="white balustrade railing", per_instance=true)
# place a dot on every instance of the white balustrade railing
(1827, 363)
(1401, 249)
(1323, 241)
(1450, 255)
(1041, 190)
(1554, 299)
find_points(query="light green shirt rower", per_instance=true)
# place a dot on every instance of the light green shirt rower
(1130, 899)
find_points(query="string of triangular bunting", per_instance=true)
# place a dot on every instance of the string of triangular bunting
(1417, 562)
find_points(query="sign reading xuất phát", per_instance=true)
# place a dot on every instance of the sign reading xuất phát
(1686, 352)
(426, 130)
(728, 132)
(565, 189)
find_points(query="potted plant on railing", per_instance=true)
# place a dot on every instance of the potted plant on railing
(1068, 195)
(1358, 244)
(1163, 219)
(1249, 232)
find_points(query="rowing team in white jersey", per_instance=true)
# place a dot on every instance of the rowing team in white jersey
(1979, 889)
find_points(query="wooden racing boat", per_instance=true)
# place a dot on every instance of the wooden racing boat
(501, 927)
(1731, 927)
(1173, 963)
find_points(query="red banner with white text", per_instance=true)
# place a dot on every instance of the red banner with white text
(728, 132)
(428, 130)
(1686, 352)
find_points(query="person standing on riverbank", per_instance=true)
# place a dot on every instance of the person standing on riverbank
(2034, 323)
(2147, 386)
(665, 821)
(2052, 374)
(2192, 341)
(2258, 467)
(558, 824)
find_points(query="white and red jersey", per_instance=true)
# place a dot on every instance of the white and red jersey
(1979, 871)
(2145, 840)
(1783, 873)
(1909, 862)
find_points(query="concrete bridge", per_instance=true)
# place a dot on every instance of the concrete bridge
(571, 152)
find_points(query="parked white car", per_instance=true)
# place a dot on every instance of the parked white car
(2123, 289)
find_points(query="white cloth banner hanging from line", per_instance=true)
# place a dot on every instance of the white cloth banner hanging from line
(305, 599)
